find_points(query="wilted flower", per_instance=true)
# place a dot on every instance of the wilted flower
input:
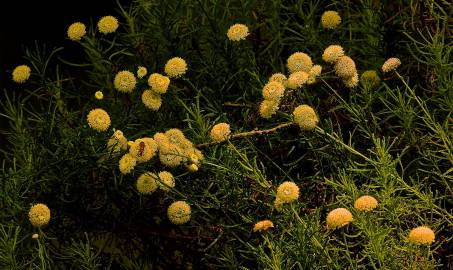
(127, 163)
(76, 31)
(305, 117)
(268, 108)
(330, 19)
(366, 203)
(159, 83)
(421, 235)
(107, 24)
(299, 61)
(345, 67)
(21, 73)
(263, 225)
(147, 183)
(391, 64)
(179, 212)
(220, 132)
(273, 91)
(141, 72)
(98, 119)
(151, 100)
(39, 215)
(332, 53)
(297, 79)
(176, 67)
(125, 81)
(370, 78)
(287, 192)
(238, 32)
(338, 218)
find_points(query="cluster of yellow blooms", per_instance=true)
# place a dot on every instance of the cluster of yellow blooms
(39, 215)
(344, 66)
(179, 212)
(220, 132)
(330, 19)
(148, 182)
(106, 25)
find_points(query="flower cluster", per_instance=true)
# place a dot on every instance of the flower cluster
(344, 66)
(149, 182)
(179, 212)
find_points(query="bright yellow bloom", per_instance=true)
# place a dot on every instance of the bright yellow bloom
(332, 53)
(345, 67)
(366, 203)
(151, 100)
(76, 31)
(268, 108)
(370, 78)
(99, 95)
(238, 32)
(141, 72)
(143, 150)
(176, 67)
(107, 24)
(39, 215)
(273, 90)
(330, 19)
(166, 181)
(352, 82)
(263, 225)
(179, 212)
(220, 132)
(421, 235)
(338, 218)
(297, 79)
(287, 192)
(391, 64)
(299, 61)
(117, 142)
(305, 117)
(21, 73)
(125, 81)
(98, 119)
(127, 163)
(158, 83)
(147, 183)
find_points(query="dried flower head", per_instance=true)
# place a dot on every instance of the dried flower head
(107, 24)
(421, 235)
(273, 90)
(159, 83)
(99, 95)
(117, 142)
(143, 150)
(141, 72)
(330, 19)
(263, 225)
(39, 215)
(76, 31)
(147, 183)
(98, 119)
(21, 73)
(391, 64)
(332, 53)
(176, 67)
(287, 192)
(352, 82)
(338, 218)
(220, 132)
(179, 212)
(166, 181)
(151, 100)
(305, 117)
(299, 61)
(370, 78)
(278, 77)
(125, 81)
(297, 79)
(345, 67)
(268, 108)
(127, 163)
(366, 203)
(238, 32)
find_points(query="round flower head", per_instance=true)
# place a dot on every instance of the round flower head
(421, 235)
(238, 32)
(98, 119)
(192, 168)
(352, 81)
(273, 91)
(370, 78)
(147, 183)
(330, 19)
(299, 61)
(391, 64)
(39, 215)
(305, 117)
(176, 136)
(338, 218)
(278, 77)
(220, 132)
(117, 142)
(263, 225)
(143, 150)
(127, 163)
(268, 108)
(151, 100)
(315, 71)
(76, 31)
(297, 79)
(159, 83)
(365, 203)
(332, 53)
(179, 212)
(166, 181)
(176, 67)
(141, 72)
(345, 67)
(107, 24)
(21, 73)
(125, 81)
(287, 192)
(99, 95)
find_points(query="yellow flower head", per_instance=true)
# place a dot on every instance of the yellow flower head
(263, 225)
(315, 71)
(330, 19)
(176, 136)
(192, 168)
(147, 183)
(238, 32)
(370, 78)
(391, 64)
(179, 212)
(352, 82)
(98, 119)
(159, 83)
(305, 117)
(141, 72)
(127, 163)
(338, 218)
(176, 67)
(299, 61)
(345, 67)
(99, 95)
(117, 142)
(220, 132)
(421, 235)
(143, 150)
(35, 236)
(366, 203)
(166, 181)
(171, 154)
(278, 77)
(332, 53)
(125, 81)
(297, 79)
(107, 24)
(287, 192)
(161, 140)
(273, 90)
(39, 215)
(21, 73)
(151, 100)
(76, 31)
(268, 108)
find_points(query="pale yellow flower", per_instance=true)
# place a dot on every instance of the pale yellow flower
(305, 117)
(107, 24)
(332, 53)
(238, 32)
(268, 108)
(220, 132)
(299, 61)
(391, 64)
(366, 203)
(287, 192)
(98, 119)
(345, 67)
(273, 90)
(176, 67)
(147, 183)
(338, 218)
(141, 72)
(330, 19)
(151, 100)
(179, 212)
(125, 81)
(297, 79)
